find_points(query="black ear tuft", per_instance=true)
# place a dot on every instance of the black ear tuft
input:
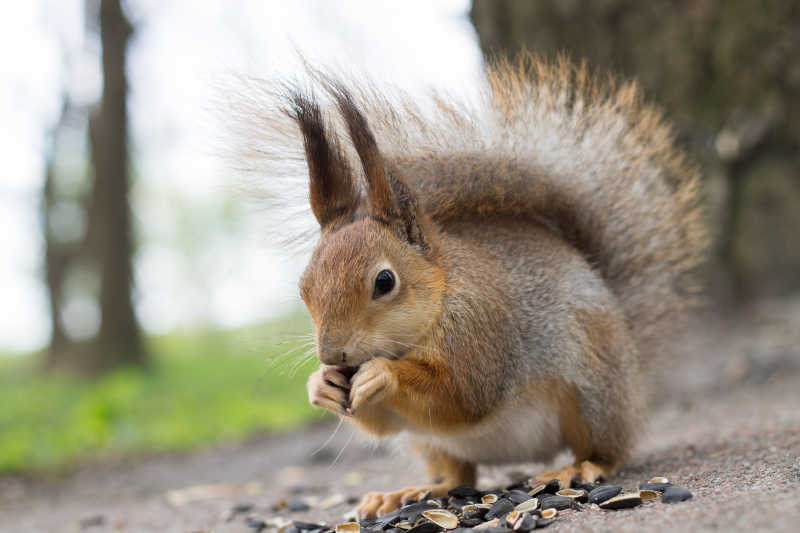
(332, 191)
(389, 198)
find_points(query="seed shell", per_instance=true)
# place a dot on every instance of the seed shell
(527, 505)
(488, 524)
(443, 518)
(675, 494)
(348, 527)
(489, 498)
(579, 495)
(649, 495)
(658, 479)
(623, 501)
(549, 513)
(524, 523)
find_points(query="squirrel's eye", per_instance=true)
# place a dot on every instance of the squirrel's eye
(384, 282)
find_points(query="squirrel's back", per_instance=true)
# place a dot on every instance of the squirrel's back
(580, 153)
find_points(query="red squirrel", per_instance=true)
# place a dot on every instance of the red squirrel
(496, 274)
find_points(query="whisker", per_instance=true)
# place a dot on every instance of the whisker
(329, 439)
(338, 455)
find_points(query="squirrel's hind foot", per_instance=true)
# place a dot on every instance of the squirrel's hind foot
(584, 471)
(379, 503)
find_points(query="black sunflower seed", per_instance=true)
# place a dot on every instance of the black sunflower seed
(524, 523)
(464, 491)
(518, 496)
(544, 522)
(660, 487)
(471, 522)
(425, 527)
(306, 526)
(552, 486)
(603, 493)
(557, 502)
(676, 494)
(623, 501)
(501, 508)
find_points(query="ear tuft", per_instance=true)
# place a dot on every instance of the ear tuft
(332, 192)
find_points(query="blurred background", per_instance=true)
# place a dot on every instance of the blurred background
(143, 307)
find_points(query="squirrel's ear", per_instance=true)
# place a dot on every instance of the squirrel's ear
(332, 191)
(389, 198)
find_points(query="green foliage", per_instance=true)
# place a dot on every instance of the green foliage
(205, 388)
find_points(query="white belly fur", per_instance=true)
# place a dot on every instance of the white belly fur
(522, 430)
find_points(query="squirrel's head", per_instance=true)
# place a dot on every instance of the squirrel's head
(373, 286)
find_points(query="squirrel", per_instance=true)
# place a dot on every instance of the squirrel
(491, 278)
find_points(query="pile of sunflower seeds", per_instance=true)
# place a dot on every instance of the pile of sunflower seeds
(519, 508)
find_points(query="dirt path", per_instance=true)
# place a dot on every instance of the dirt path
(727, 426)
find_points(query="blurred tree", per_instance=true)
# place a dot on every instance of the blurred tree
(728, 74)
(57, 254)
(105, 248)
(119, 341)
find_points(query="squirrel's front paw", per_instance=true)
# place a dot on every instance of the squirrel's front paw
(374, 381)
(328, 388)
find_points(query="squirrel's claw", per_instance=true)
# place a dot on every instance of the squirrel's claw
(586, 471)
(324, 391)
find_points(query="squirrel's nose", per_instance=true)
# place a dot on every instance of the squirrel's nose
(330, 352)
(333, 357)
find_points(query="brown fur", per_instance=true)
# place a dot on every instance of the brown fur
(540, 246)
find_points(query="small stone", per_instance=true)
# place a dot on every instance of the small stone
(676, 494)
(92, 521)
(297, 506)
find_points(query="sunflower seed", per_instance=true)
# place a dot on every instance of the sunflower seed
(464, 491)
(660, 487)
(518, 496)
(623, 501)
(603, 493)
(488, 524)
(676, 494)
(426, 527)
(658, 479)
(500, 509)
(556, 502)
(348, 527)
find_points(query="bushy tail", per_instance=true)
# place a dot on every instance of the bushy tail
(549, 140)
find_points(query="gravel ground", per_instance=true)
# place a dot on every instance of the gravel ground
(725, 423)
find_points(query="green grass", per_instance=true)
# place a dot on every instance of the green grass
(205, 388)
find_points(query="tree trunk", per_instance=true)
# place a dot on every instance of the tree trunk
(56, 257)
(722, 70)
(119, 341)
